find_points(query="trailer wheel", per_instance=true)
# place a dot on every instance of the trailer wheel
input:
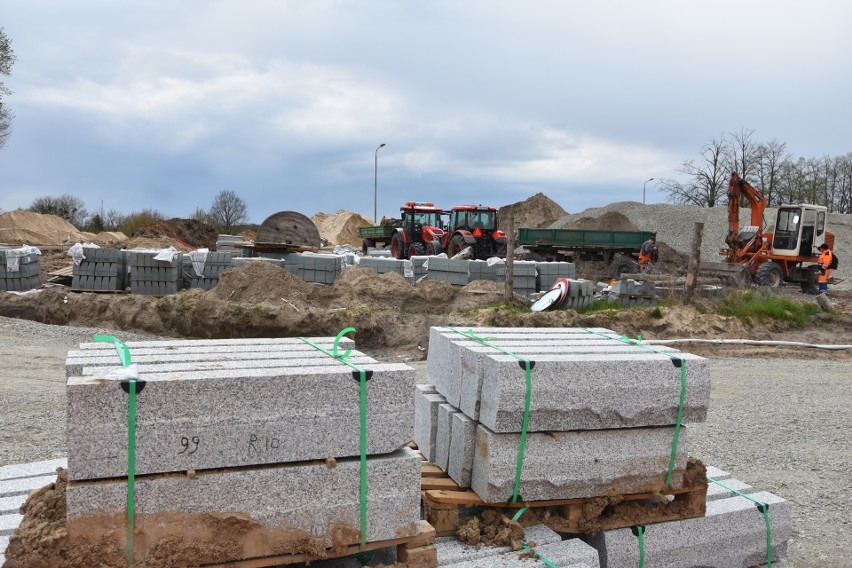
(623, 264)
(367, 244)
(769, 274)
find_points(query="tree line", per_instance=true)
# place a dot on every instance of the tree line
(769, 167)
(226, 212)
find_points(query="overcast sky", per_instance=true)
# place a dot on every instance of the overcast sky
(163, 104)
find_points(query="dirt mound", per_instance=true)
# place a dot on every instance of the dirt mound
(341, 228)
(194, 233)
(535, 212)
(260, 282)
(609, 221)
(154, 243)
(26, 227)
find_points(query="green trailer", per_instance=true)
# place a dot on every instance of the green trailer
(620, 249)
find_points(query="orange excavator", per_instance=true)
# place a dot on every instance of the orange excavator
(788, 254)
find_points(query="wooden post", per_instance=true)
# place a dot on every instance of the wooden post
(694, 262)
(510, 257)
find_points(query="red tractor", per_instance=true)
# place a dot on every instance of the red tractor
(474, 226)
(417, 232)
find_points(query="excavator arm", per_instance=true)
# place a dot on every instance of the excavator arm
(737, 190)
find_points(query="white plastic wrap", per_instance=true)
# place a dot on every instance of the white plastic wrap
(76, 252)
(198, 258)
(167, 254)
(13, 257)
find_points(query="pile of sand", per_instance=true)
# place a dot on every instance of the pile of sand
(609, 221)
(534, 212)
(341, 228)
(26, 227)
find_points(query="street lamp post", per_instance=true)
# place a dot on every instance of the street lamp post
(376, 185)
(643, 189)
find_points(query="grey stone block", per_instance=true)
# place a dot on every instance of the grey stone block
(225, 418)
(444, 361)
(568, 465)
(452, 551)
(32, 469)
(11, 504)
(718, 474)
(8, 523)
(590, 391)
(318, 498)
(732, 534)
(210, 345)
(573, 553)
(716, 491)
(443, 435)
(462, 444)
(4, 543)
(23, 485)
(426, 421)
(475, 356)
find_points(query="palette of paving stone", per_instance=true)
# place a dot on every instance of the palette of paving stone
(240, 415)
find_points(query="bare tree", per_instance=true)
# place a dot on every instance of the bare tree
(706, 182)
(228, 209)
(742, 153)
(7, 59)
(113, 219)
(67, 206)
(771, 158)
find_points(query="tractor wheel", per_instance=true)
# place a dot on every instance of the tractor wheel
(457, 244)
(397, 246)
(623, 264)
(367, 244)
(416, 249)
(769, 274)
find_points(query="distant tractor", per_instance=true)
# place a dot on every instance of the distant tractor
(474, 226)
(417, 232)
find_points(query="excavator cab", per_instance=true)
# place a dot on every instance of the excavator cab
(799, 230)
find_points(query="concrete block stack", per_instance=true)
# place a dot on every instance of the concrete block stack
(379, 253)
(524, 276)
(628, 292)
(100, 269)
(480, 270)
(269, 431)
(19, 269)
(384, 265)
(225, 243)
(581, 294)
(418, 267)
(212, 266)
(549, 272)
(602, 412)
(321, 268)
(732, 532)
(239, 261)
(456, 272)
(153, 277)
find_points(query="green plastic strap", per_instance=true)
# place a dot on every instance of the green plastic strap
(525, 425)
(363, 557)
(764, 508)
(541, 557)
(640, 534)
(679, 421)
(124, 354)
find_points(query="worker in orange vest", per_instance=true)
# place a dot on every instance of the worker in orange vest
(824, 262)
(648, 254)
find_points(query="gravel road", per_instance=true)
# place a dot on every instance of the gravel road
(781, 426)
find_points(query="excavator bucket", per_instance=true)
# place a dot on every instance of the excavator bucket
(737, 274)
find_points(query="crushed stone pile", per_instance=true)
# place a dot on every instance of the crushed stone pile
(534, 212)
(674, 225)
(341, 228)
(26, 227)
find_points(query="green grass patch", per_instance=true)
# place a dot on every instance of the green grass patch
(764, 304)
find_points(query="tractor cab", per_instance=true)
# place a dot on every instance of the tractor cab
(474, 226)
(799, 230)
(420, 230)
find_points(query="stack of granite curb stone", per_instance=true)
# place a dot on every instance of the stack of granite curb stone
(601, 423)
(19, 269)
(100, 269)
(266, 429)
(601, 420)
(153, 277)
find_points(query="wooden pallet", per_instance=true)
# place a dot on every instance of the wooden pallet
(417, 552)
(448, 506)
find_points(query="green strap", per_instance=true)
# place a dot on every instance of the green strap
(640, 533)
(363, 557)
(763, 508)
(679, 421)
(469, 334)
(124, 355)
(541, 557)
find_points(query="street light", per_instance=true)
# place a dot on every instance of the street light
(643, 189)
(376, 185)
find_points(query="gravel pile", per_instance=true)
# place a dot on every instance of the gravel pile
(674, 225)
